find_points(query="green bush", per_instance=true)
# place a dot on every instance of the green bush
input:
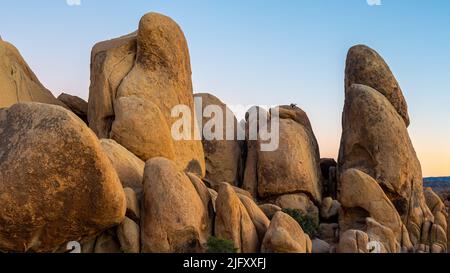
(308, 223)
(217, 245)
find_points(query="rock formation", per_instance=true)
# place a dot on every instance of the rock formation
(293, 167)
(76, 104)
(375, 141)
(136, 81)
(365, 66)
(223, 157)
(129, 168)
(233, 221)
(17, 80)
(285, 235)
(173, 216)
(56, 184)
(126, 184)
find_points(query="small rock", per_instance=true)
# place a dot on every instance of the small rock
(128, 234)
(270, 210)
(133, 207)
(319, 246)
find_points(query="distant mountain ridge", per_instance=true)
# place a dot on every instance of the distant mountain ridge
(437, 179)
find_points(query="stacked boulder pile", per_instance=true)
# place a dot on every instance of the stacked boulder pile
(108, 174)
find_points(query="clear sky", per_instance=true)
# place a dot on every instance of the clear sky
(263, 52)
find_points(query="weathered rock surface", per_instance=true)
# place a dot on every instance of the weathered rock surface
(173, 216)
(53, 169)
(438, 232)
(361, 197)
(353, 241)
(107, 243)
(299, 202)
(76, 104)
(128, 234)
(140, 127)
(151, 66)
(367, 67)
(129, 168)
(375, 140)
(223, 157)
(330, 208)
(133, 205)
(18, 82)
(258, 217)
(329, 232)
(270, 209)
(293, 167)
(233, 221)
(319, 246)
(110, 63)
(285, 235)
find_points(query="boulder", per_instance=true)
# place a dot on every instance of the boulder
(173, 216)
(375, 140)
(78, 106)
(107, 243)
(53, 169)
(258, 217)
(299, 201)
(110, 63)
(353, 241)
(330, 208)
(383, 235)
(365, 66)
(128, 234)
(285, 235)
(205, 195)
(361, 197)
(133, 205)
(140, 127)
(270, 209)
(18, 82)
(293, 167)
(223, 155)
(129, 168)
(321, 247)
(329, 232)
(136, 83)
(233, 221)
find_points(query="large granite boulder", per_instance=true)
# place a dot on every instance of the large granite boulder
(365, 66)
(174, 218)
(375, 141)
(148, 67)
(57, 185)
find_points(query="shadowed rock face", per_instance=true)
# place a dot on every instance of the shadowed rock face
(56, 184)
(375, 140)
(223, 157)
(18, 82)
(76, 104)
(365, 66)
(152, 65)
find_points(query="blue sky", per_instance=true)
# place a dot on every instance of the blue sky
(263, 52)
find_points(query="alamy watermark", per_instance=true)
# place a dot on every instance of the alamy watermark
(261, 125)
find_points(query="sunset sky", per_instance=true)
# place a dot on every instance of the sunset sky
(264, 52)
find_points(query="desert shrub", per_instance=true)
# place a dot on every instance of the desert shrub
(218, 245)
(308, 223)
